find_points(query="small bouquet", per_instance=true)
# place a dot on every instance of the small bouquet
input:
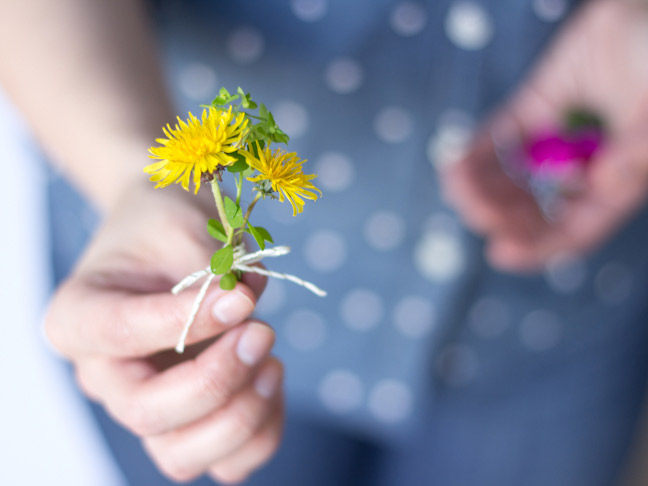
(551, 164)
(234, 135)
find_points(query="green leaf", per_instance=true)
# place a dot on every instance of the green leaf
(218, 101)
(258, 237)
(216, 230)
(240, 165)
(228, 281)
(263, 111)
(234, 213)
(222, 260)
(279, 136)
(264, 233)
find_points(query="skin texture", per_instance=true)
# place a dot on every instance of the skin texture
(218, 407)
(90, 86)
(600, 61)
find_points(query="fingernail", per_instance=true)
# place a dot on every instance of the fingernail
(267, 382)
(232, 308)
(255, 343)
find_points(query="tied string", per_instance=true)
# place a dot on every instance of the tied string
(242, 262)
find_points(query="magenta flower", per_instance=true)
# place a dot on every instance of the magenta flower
(554, 152)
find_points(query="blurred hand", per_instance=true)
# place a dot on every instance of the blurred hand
(600, 61)
(218, 407)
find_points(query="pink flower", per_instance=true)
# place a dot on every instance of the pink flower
(556, 152)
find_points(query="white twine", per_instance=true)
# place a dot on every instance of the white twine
(192, 315)
(242, 262)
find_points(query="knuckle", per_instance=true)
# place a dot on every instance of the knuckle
(229, 475)
(175, 469)
(213, 387)
(86, 383)
(141, 419)
(243, 423)
(121, 332)
(268, 443)
(168, 459)
(53, 328)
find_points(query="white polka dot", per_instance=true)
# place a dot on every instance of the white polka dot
(550, 10)
(198, 82)
(450, 141)
(390, 401)
(408, 18)
(305, 330)
(273, 297)
(341, 391)
(384, 230)
(613, 283)
(335, 171)
(565, 273)
(439, 256)
(468, 25)
(540, 330)
(361, 309)
(291, 117)
(414, 316)
(325, 251)
(309, 10)
(488, 317)
(245, 45)
(344, 76)
(457, 364)
(393, 125)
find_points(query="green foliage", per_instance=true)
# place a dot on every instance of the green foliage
(228, 281)
(260, 235)
(234, 213)
(216, 230)
(262, 131)
(582, 119)
(262, 127)
(222, 260)
(264, 234)
(224, 98)
(240, 165)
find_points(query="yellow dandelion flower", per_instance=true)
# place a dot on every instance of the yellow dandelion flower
(197, 145)
(284, 172)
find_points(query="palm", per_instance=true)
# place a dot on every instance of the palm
(600, 62)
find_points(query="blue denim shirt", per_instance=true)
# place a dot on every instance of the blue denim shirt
(423, 365)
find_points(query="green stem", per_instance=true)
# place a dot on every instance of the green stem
(251, 206)
(220, 207)
(248, 212)
(239, 187)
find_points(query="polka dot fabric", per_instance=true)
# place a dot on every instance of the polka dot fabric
(417, 331)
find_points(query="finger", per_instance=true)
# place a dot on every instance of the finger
(188, 452)
(485, 197)
(85, 318)
(239, 465)
(193, 389)
(618, 185)
(101, 378)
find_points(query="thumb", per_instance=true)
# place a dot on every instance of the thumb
(84, 318)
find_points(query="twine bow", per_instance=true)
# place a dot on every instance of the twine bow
(242, 262)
